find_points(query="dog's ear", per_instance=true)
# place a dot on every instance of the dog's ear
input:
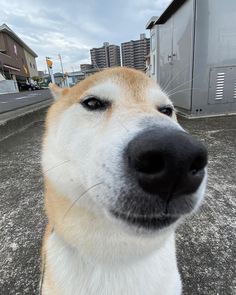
(57, 91)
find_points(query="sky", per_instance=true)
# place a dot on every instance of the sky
(71, 28)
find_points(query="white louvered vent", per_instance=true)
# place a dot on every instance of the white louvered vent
(235, 89)
(220, 83)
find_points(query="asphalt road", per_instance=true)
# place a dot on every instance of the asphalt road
(205, 243)
(13, 101)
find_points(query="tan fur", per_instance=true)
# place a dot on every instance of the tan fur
(56, 207)
(130, 80)
(48, 280)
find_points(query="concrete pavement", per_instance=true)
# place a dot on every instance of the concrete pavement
(205, 244)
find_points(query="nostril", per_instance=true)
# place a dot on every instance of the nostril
(194, 171)
(150, 163)
(198, 164)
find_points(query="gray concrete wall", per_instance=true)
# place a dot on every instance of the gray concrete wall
(8, 86)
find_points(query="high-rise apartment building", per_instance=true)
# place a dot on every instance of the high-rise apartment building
(105, 56)
(134, 52)
(114, 55)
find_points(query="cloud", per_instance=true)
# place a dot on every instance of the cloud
(71, 28)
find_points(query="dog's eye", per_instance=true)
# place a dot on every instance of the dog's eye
(94, 104)
(168, 110)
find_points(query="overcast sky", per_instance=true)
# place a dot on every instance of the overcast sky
(73, 27)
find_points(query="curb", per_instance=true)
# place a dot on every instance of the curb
(14, 121)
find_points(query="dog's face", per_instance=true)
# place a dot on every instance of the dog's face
(114, 147)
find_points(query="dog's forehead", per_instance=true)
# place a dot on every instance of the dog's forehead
(117, 89)
(128, 87)
(107, 89)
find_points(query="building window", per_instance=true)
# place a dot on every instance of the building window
(30, 64)
(34, 66)
(153, 43)
(15, 49)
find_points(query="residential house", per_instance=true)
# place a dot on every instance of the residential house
(17, 60)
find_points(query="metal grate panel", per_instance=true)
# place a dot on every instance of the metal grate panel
(235, 89)
(220, 83)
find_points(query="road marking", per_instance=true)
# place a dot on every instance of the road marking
(3, 101)
(29, 95)
(34, 94)
(21, 97)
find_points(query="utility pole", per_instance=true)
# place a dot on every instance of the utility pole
(62, 70)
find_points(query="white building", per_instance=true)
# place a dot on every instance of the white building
(193, 55)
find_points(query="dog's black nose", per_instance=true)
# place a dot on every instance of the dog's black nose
(167, 163)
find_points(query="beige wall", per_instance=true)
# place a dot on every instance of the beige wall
(31, 63)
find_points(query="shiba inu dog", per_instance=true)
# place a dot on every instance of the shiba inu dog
(120, 175)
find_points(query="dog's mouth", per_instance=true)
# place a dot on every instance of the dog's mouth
(147, 222)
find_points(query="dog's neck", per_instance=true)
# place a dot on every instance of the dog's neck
(106, 259)
(74, 271)
(105, 241)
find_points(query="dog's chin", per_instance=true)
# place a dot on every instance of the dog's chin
(146, 223)
(150, 214)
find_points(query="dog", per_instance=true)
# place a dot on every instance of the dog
(120, 175)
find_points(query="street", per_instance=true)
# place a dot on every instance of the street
(205, 243)
(12, 101)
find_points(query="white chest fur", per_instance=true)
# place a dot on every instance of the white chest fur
(74, 274)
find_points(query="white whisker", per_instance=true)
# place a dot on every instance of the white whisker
(165, 86)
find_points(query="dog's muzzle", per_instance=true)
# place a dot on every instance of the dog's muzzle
(165, 168)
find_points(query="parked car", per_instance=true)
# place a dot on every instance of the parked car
(27, 86)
